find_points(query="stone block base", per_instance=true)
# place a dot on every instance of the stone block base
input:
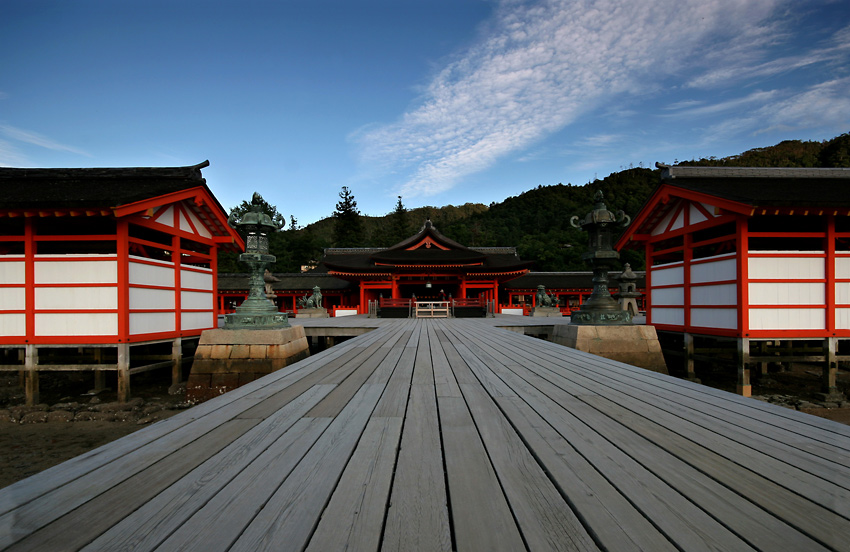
(635, 345)
(546, 311)
(227, 359)
(312, 313)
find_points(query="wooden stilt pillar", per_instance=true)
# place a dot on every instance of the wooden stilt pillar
(123, 372)
(689, 358)
(31, 379)
(744, 388)
(830, 368)
(176, 361)
(99, 375)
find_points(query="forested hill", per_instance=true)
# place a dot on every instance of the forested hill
(536, 222)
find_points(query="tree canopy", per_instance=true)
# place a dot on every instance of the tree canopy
(348, 228)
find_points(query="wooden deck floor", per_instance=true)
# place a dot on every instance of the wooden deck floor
(451, 434)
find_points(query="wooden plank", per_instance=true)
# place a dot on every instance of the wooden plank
(613, 522)
(782, 470)
(217, 524)
(354, 518)
(480, 514)
(97, 514)
(146, 527)
(333, 404)
(720, 502)
(680, 520)
(287, 520)
(418, 518)
(444, 377)
(799, 517)
(63, 498)
(393, 402)
(547, 522)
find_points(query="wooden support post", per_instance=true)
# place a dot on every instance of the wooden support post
(329, 340)
(744, 388)
(123, 372)
(176, 361)
(99, 375)
(830, 367)
(689, 358)
(31, 379)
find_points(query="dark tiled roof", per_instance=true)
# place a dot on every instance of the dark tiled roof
(302, 281)
(93, 187)
(780, 187)
(566, 280)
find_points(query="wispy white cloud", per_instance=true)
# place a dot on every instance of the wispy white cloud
(544, 64)
(36, 139)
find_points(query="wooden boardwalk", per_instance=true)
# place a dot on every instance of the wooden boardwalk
(451, 434)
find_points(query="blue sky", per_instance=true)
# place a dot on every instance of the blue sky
(439, 101)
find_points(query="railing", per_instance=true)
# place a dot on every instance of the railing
(432, 309)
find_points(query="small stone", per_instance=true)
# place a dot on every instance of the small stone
(95, 400)
(150, 409)
(127, 416)
(60, 416)
(38, 417)
(65, 406)
(148, 419)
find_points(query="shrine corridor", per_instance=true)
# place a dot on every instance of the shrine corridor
(449, 434)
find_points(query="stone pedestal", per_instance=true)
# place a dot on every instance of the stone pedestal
(226, 359)
(546, 311)
(320, 312)
(632, 344)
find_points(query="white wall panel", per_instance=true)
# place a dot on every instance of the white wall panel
(167, 216)
(76, 298)
(668, 296)
(195, 300)
(145, 298)
(696, 215)
(714, 271)
(842, 267)
(202, 230)
(842, 319)
(674, 317)
(787, 293)
(842, 293)
(86, 323)
(197, 320)
(184, 223)
(781, 268)
(715, 318)
(668, 276)
(152, 275)
(12, 272)
(196, 280)
(76, 272)
(724, 294)
(661, 227)
(787, 319)
(13, 324)
(151, 322)
(13, 299)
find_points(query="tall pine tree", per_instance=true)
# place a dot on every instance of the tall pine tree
(348, 227)
(399, 223)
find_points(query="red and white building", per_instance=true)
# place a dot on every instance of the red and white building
(756, 256)
(105, 260)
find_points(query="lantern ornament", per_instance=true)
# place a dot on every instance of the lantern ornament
(601, 308)
(257, 311)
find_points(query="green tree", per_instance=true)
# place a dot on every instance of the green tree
(399, 223)
(348, 226)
